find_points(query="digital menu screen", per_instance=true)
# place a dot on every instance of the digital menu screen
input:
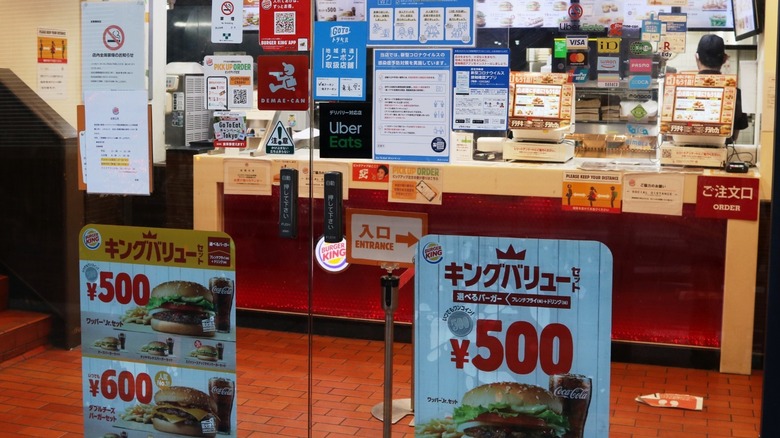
(746, 22)
(540, 100)
(699, 105)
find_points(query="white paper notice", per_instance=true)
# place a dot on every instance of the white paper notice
(117, 142)
(412, 105)
(653, 193)
(112, 46)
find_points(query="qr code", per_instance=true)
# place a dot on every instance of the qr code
(284, 23)
(240, 97)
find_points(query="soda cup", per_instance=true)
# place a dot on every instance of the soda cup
(222, 391)
(223, 290)
(574, 391)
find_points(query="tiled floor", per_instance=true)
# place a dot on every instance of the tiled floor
(40, 393)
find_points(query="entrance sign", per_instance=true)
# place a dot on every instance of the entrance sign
(500, 316)
(157, 323)
(378, 236)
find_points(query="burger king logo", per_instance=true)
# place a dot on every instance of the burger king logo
(91, 239)
(331, 257)
(433, 253)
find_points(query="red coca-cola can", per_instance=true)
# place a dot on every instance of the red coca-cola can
(574, 391)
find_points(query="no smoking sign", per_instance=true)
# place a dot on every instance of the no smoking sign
(113, 37)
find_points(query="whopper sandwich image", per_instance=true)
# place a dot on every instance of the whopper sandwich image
(181, 307)
(509, 409)
(182, 410)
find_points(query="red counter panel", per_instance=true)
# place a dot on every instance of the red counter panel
(668, 270)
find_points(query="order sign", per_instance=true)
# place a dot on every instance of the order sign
(524, 321)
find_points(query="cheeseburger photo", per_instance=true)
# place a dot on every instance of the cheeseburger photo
(182, 410)
(181, 307)
(509, 409)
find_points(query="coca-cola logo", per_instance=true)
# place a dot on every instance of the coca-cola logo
(222, 290)
(222, 390)
(572, 394)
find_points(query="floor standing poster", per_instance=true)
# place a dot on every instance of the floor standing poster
(512, 335)
(158, 332)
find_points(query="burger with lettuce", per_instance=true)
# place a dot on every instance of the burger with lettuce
(181, 307)
(510, 410)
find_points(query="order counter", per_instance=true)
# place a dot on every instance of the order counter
(678, 280)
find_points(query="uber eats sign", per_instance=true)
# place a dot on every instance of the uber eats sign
(345, 130)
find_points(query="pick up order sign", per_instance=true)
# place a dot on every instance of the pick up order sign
(504, 319)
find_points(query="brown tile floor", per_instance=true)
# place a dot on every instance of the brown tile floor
(40, 393)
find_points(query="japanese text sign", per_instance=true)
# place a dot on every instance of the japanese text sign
(726, 197)
(157, 322)
(492, 313)
(286, 25)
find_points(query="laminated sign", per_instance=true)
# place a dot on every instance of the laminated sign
(512, 335)
(157, 332)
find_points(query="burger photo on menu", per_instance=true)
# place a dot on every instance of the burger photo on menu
(510, 409)
(109, 343)
(181, 307)
(184, 411)
(205, 352)
(155, 348)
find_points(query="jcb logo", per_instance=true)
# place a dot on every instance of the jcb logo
(609, 45)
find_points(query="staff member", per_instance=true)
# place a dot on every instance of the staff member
(710, 57)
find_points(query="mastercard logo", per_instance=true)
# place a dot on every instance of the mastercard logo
(577, 57)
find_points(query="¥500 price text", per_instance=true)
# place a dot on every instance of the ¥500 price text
(521, 347)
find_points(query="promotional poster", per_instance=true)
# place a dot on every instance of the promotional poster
(512, 335)
(158, 332)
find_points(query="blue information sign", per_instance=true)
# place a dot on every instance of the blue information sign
(340, 60)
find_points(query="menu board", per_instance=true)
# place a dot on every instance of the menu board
(598, 14)
(746, 22)
(700, 105)
(158, 332)
(540, 101)
(512, 320)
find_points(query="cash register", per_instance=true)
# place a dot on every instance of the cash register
(697, 118)
(541, 114)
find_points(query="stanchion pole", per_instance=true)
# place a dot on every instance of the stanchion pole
(388, 411)
(389, 304)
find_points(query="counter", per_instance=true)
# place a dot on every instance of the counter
(677, 280)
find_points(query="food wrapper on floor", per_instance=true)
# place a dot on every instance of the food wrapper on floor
(679, 401)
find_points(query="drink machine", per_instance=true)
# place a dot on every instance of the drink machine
(186, 118)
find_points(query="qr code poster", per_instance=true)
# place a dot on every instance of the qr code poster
(291, 25)
(229, 82)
